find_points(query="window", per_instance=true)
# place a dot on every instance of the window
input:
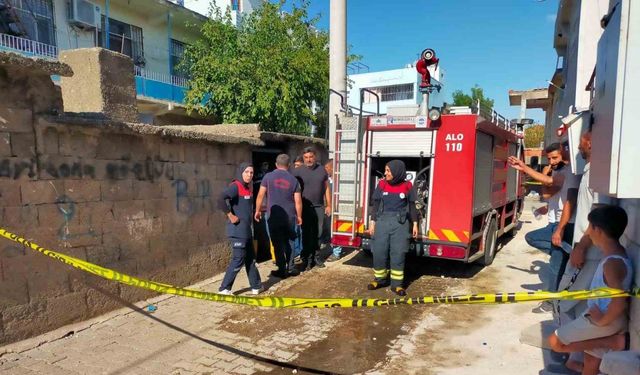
(123, 38)
(36, 20)
(176, 52)
(235, 5)
(390, 93)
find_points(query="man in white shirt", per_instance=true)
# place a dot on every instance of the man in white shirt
(559, 185)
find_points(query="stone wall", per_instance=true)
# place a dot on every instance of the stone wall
(135, 198)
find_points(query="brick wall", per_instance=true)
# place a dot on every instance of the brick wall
(121, 196)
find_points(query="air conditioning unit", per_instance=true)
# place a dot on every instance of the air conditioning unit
(85, 14)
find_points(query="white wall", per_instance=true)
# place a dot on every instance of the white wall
(66, 36)
(583, 32)
(202, 6)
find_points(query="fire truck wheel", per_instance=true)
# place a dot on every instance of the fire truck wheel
(490, 244)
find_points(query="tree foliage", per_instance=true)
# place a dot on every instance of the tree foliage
(533, 136)
(477, 93)
(269, 69)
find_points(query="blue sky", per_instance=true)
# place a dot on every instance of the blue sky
(498, 44)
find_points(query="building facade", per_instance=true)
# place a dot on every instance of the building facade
(397, 87)
(154, 33)
(603, 34)
(236, 7)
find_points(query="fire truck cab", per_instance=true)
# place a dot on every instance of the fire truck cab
(456, 158)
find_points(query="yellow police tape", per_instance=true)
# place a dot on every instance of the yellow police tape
(291, 302)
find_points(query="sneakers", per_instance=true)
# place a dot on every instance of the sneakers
(332, 258)
(293, 272)
(314, 263)
(279, 274)
(255, 292)
(225, 292)
(543, 307)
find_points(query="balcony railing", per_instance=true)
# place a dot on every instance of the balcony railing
(160, 86)
(28, 47)
(160, 77)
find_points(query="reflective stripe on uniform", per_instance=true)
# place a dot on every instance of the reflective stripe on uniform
(397, 275)
(381, 274)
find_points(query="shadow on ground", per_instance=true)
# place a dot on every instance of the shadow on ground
(129, 367)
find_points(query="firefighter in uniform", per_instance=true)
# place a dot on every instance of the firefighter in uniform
(236, 200)
(394, 213)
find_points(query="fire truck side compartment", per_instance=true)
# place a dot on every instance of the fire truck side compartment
(483, 174)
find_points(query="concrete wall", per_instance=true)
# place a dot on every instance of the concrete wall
(143, 205)
(136, 198)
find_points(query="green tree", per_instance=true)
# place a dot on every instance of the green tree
(533, 136)
(477, 93)
(269, 69)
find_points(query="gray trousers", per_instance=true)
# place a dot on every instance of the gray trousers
(390, 246)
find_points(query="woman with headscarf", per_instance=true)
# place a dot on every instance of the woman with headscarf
(236, 200)
(393, 212)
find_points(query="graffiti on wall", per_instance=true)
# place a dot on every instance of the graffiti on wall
(67, 208)
(148, 170)
(193, 203)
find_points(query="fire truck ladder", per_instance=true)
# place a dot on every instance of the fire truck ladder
(10, 21)
(348, 167)
(346, 159)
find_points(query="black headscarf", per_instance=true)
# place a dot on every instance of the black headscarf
(398, 170)
(240, 170)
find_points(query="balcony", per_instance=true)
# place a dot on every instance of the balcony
(27, 47)
(149, 85)
(160, 86)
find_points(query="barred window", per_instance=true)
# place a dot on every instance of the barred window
(36, 20)
(176, 52)
(124, 38)
(390, 93)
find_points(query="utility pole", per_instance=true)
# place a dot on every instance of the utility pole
(337, 63)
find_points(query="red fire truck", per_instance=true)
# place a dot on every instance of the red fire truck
(456, 158)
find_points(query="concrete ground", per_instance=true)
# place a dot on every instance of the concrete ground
(187, 336)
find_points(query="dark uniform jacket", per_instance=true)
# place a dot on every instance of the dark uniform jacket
(238, 199)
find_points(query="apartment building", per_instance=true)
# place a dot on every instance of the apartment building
(153, 33)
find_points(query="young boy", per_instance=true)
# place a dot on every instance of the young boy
(604, 316)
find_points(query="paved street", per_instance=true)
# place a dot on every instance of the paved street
(186, 336)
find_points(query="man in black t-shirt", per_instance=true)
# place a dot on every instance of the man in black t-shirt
(316, 203)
